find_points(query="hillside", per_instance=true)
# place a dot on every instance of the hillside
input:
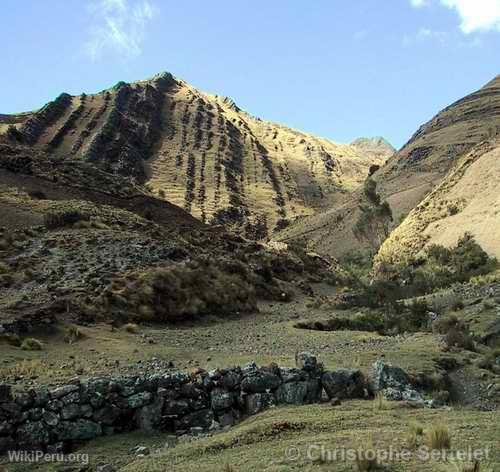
(467, 200)
(199, 151)
(413, 172)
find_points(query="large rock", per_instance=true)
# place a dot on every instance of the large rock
(63, 391)
(5, 393)
(260, 381)
(7, 444)
(148, 418)
(258, 402)
(313, 391)
(78, 431)
(107, 415)
(221, 399)
(292, 375)
(306, 361)
(139, 399)
(344, 383)
(294, 393)
(33, 434)
(393, 382)
(198, 419)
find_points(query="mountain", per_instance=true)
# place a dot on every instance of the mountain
(447, 163)
(199, 151)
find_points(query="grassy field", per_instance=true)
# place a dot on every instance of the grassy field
(305, 438)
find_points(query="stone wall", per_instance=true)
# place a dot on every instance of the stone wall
(56, 419)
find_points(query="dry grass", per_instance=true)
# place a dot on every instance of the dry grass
(366, 458)
(437, 437)
(73, 334)
(131, 328)
(26, 368)
(414, 436)
(380, 402)
(469, 467)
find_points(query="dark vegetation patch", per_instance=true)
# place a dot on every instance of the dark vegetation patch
(439, 268)
(411, 318)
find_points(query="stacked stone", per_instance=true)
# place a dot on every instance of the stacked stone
(54, 420)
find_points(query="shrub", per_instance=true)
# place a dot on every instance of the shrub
(37, 195)
(437, 437)
(12, 339)
(381, 403)
(54, 220)
(31, 344)
(458, 305)
(366, 457)
(73, 334)
(469, 467)
(131, 328)
(414, 435)
(181, 292)
(456, 332)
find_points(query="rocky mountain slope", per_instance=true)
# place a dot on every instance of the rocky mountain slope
(467, 200)
(431, 159)
(199, 151)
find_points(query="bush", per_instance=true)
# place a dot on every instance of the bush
(31, 344)
(11, 339)
(37, 195)
(73, 334)
(55, 220)
(437, 437)
(131, 328)
(456, 332)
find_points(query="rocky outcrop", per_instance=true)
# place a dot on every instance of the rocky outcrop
(393, 383)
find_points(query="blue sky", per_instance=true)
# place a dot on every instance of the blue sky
(336, 68)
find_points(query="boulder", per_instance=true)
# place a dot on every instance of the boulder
(258, 402)
(5, 393)
(6, 444)
(70, 411)
(50, 418)
(62, 391)
(24, 400)
(393, 382)
(294, 393)
(198, 419)
(385, 375)
(33, 434)
(292, 374)
(139, 399)
(107, 415)
(176, 408)
(313, 391)
(344, 383)
(148, 418)
(306, 361)
(221, 399)
(260, 381)
(78, 430)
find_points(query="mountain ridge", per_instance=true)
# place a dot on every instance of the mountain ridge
(199, 151)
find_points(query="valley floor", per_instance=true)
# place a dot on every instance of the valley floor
(261, 442)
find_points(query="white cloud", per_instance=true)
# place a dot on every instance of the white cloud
(119, 27)
(475, 15)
